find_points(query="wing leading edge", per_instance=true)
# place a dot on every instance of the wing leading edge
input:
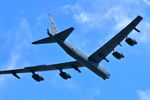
(67, 65)
(106, 49)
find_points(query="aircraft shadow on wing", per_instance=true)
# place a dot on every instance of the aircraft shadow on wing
(82, 60)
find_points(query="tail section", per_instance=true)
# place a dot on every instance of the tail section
(53, 26)
(54, 34)
(62, 36)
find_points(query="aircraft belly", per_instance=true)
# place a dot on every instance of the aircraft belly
(99, 70)
(83, 59)
(73, 52)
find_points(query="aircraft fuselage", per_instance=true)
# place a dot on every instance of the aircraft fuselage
(82, 58)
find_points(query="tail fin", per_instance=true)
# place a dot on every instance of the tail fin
(53, 33)
(53, 26)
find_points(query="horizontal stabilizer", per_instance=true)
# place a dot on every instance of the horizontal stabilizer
(64, 34)
(45, 40)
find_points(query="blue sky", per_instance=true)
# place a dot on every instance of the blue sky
(95, 22)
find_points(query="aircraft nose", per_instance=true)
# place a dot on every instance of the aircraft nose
(106, 77)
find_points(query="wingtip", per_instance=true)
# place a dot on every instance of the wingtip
(33, 43)
(72, 28)
(140, 17)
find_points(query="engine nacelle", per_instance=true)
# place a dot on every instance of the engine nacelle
(37, 77)
(131, 41)
(65, 75)
(117, 55)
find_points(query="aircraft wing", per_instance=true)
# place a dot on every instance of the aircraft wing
(106, 49)
(67, 65)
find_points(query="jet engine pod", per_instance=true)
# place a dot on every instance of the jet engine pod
(65, 75)
(37, 77)
(117, 55)
(131, 41)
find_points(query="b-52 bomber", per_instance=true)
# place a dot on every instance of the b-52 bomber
(81, 59)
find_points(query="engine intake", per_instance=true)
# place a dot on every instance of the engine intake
(37, 77)
(131, 41)
(65, 75)
(117, 55)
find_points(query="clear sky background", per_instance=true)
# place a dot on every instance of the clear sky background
(95, 22)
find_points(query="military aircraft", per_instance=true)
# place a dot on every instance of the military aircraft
(82, 60)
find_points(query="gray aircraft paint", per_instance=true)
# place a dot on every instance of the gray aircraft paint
(82, 58)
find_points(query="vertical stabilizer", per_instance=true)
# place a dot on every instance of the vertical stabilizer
(53, 27)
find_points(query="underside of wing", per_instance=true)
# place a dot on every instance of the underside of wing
(67, 65)
(107, 48)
